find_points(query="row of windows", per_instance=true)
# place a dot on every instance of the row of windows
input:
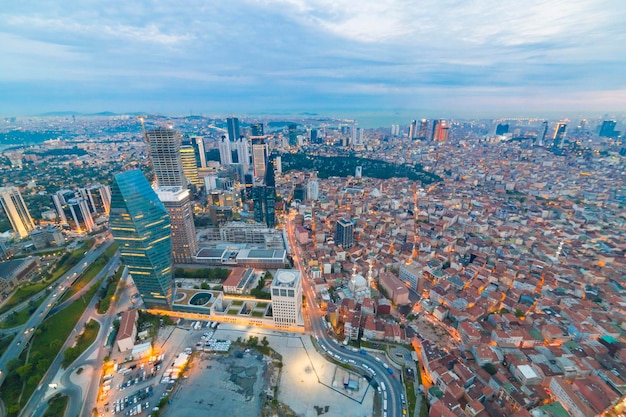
(283, 292)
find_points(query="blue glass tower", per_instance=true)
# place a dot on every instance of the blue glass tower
(140, 225)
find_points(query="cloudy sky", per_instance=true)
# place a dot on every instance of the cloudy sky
(446, 57)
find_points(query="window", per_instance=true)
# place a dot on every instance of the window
(290, 293)
(275, 291)
(283, 293)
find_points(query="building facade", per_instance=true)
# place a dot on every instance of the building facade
(226, 156)
(190, 165)
(98, 198)
(164, 145)
(286, 290)
(140, 225)
(177, 201)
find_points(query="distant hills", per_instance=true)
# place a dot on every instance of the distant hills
(75, 113)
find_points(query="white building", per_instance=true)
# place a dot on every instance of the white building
(287, 298)
(411, 274)
(226, 157)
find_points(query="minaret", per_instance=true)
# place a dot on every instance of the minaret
(370, 274)
(353, 279)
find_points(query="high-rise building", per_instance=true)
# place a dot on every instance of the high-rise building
(177, 201)
(413, 129)
(440, 131)
(313, 189)
(164, 145)
(607, 130)
(292, 134)
(358, 171)
(16, 210)
(243, 152)
(98, 198)
(4, 251)
(502, 129)
(286, 291)
(140, 225)
(226, 156)
(77, 215)
(190, 165)
(198, 143)
(542, 134)
(264, 199)
(559, 134)
(256, 129)
(313, 136)
(259, 157)
(233, 128)
(278, 164)
(344, 233)
(423, 132)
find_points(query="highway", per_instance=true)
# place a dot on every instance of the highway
(36, 405)
(23, 337)
(342, 353)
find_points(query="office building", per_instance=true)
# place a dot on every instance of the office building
(16, 210)
(292, 134)
(286, 290)
(177, 201)
(140, 225)
(559, 134)
(423, 131)
(313, 136)
(607, 130)
(256, 129)
(198, 143)
(440, 131)
(278, 164)
(226, 156)
(344, 233)
(358, 171)
(233, 128)
(190, 165)
(164, 145)
(47, 236)
(98, 198)
(541, 138)
(259, 157)
(502, 129)
(413, 129)
(264, 199)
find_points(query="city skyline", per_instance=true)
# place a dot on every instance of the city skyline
(449, 58)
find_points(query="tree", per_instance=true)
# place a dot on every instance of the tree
(490, 368)
(265, 342)
(519, 313)
(24, 370)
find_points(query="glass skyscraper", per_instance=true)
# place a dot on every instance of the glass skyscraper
(140, 225)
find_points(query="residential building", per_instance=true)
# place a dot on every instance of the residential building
(98, 198)
(344, 233)
(226, 156)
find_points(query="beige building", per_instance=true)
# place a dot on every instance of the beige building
(16, 210)
(177, 201)
(127, 334)
(286, 293)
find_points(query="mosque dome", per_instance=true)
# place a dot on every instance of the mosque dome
(357, 283)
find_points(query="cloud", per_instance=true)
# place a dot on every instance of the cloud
(296, 52)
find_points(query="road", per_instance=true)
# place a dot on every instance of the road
(36, 405)
(342, 353)
(23, 337)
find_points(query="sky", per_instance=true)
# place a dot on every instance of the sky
(430, 58)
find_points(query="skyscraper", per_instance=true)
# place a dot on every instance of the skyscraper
(233, 128)
(243, 152)
(226, 156)
(423, 133)
(607, 130)
(559, 134)
(77, 215)
(344, 233)
(413, 129)
(190, 164)
(440, 131)
(259, 157)
(292, 131)
(256, 129)
(164, 147)
(177, 201)
(542, 134)
(264, 198)
(140, 225)
(313, 189)
(16, 210)
(198, 144)
(502, 129)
